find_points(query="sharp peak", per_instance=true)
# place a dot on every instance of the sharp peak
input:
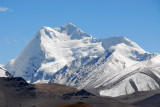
(69, 25)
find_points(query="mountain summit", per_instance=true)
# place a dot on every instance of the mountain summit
(72, 31)
(66, 55)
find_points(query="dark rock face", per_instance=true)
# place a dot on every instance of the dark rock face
(80, 93)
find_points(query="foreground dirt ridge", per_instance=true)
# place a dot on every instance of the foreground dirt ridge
(16, 92)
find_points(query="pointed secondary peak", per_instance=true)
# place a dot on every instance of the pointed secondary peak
(69, 27)
(72, 31)
(122, 41)
(70, 24)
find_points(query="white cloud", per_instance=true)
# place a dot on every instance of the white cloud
(4, 9)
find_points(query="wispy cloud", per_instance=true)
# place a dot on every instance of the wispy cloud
(4, 9)
(11, 41)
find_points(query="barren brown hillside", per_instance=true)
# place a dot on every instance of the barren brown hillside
(15, 92)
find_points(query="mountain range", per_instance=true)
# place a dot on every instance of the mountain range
(107, 67)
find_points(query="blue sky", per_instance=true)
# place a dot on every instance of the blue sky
(138, 20)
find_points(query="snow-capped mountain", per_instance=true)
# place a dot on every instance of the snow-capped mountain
(50, 50)
(111, 67)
